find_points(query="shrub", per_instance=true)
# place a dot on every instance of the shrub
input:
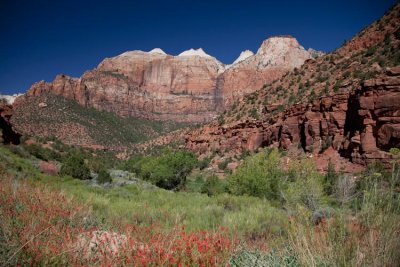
(168, 170)
(330, 178)
(75, 167)
(305, 186)
(370, 51)
(202, 164)
(221, 119)
(104, 177)
(326, 143)
(20, 151)
(253, 113)
(222, 165)
(42, 153)
(213, 186)
(292, 98)
(346, 74)
(337, 86)
(259, 176)
(280, 108)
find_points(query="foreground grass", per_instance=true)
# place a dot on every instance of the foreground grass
(249, 216)
(143, 225)
(46, 227)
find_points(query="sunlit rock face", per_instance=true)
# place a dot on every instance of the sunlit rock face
(191, 87)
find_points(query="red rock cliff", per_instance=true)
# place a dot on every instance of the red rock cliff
(361, 125)
(191, 87)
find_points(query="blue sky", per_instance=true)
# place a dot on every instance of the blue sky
(40, 39)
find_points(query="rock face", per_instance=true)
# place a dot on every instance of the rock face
(191, 87)
(361, 125)
(275, 57)
(7, 133)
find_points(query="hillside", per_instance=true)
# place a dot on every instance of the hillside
(345, 103)
(48, 115)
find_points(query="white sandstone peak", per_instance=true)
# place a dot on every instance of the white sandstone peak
(157, 51)
(194, 52)
(243, 55)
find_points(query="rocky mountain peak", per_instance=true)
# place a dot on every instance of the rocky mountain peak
(243, 56)
(157, 51)
(281, 51)
(192, 86)
(194, 52)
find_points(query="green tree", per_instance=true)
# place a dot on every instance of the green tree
(75, 167)
(169, 170)
(259, 175)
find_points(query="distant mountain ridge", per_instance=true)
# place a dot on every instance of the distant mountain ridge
(190, 87)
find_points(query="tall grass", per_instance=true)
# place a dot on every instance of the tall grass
(368, 235)
(142, 225)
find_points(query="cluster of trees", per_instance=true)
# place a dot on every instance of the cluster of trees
(75, 162)
(167, 170)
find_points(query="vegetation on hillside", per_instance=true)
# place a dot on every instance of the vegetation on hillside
(343, 70)
(68, 121)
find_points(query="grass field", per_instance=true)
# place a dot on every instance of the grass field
(192, 229)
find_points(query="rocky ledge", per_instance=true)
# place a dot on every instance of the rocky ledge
(360, 125)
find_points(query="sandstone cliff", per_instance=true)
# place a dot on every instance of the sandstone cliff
(191, 87)
(361, 125)
(276, 56)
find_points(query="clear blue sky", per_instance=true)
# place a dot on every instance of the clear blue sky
(40, 39)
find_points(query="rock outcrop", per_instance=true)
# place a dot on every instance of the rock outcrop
(191, 87)
(275, 57)
(7, 133)
(362, 125)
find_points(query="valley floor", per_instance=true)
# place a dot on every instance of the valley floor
(58, 220)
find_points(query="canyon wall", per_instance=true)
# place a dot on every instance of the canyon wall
(190, 87)
(361, 125)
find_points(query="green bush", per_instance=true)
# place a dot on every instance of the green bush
(330, 178)
(259, 176)
(370, 51)
(222, 165)
(75, 167)
(337, 85)
(213, 186)
(221, 119)
(202, 164)
(304, 186)
(167, 170)
(42, 153)
(104, 177)
(254, 114)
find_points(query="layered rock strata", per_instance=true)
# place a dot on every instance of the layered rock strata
(361, 125)
(191, 87)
